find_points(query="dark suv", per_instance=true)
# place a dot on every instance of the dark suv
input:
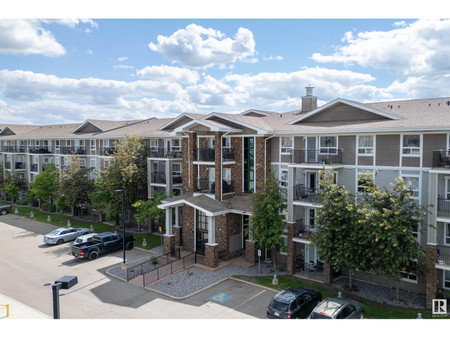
(293, 303)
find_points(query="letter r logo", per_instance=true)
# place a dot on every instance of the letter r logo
(439, 307)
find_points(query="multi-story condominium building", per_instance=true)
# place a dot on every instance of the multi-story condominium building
(212, 164)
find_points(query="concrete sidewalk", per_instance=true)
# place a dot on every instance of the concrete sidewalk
(18, 310)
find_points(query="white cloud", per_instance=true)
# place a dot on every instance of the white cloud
(168, 73)
(199, 47)
(122, 58)
(89, 52)
(270, 58)
(420, 48)
(72, 23)
(123, 67)
(27, 37)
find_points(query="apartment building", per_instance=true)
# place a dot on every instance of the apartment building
(211, 164)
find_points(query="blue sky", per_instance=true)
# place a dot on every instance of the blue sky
(70, 70)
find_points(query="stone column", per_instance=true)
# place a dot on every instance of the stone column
(290, 247)
(169, 243)
(212, 255)
(327, 272)
(431, 274)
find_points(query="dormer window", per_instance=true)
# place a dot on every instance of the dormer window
(287, 145)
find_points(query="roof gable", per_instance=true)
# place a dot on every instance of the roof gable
(87, 127)
(7, 131)
(343, 110)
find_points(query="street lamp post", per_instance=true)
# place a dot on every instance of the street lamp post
(65, 283)
(122, 191)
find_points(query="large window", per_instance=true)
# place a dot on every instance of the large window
(287, 145)
(413, 183)
(411, 145)
(365, 145)
(447, 234)
(176, 145)
(328, 145)
(410, 276)
(446, 279)
(226, 142)
(249, 164)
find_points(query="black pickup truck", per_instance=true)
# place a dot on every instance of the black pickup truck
(102, 243)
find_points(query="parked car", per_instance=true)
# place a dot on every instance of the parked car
(84, 238)
(293, 303)
(338, 308)
(102, 243)
(4, 209)
(61, 235)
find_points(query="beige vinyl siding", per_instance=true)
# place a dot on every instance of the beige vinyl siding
(346, 177)
(432, 142)
(348, 144)
(299, 142)
(411, 162)
(343, 112)
(365, 160)
(385, 177)
(388, 150)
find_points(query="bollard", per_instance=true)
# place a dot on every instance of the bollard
(49, 219)
(339, 294)
(68, 223)
(91, 228)
(144, 242)
(274, 280)
(16, 211)
(419, 315)
(31, 214)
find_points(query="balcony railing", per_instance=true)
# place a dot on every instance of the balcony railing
(443, 207)
(441, 159)
(39, 150)
(206, 186)
(177, 179)
(73, 150)
(443, 254)
(20, 165)
(227, 154)
(166, 152)
(206, 154)
(301, 230)
(159, 177)
(7, 165)
(321, 156)
(107, 151)
(34, 167)
(306, 194)
(14, 149)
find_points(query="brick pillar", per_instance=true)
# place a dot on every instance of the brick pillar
(290, 247)
(431, 274)
(218, 167)
(250, 251)
(177, 233)
(212, 255)
(169, 243)
(189, 152)
(327, 273)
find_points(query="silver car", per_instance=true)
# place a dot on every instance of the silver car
(338, 308)
(61, 235)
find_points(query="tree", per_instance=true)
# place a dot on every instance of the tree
(341, 239)
(149, 208)
(393, 217)
(75, 185)
(267, 222)
(12, 190)
(45, 184)
(128, 171)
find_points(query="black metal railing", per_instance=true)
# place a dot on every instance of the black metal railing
(34, 167)
(206, 154)
(20, 165)
(443, 206)
(7, 165)
(227, 154)
(204, 186)
(321, 156)
(177, 179)
(39, 150)
(227, 187)
(73, 150)
(443, 254)
(159, 177)
(107, 151)
(161, 152)
(142, 268)
(301, 230)
(441, 159)
(306, 194)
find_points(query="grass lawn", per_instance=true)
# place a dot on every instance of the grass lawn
(372, 310)
(60, 220)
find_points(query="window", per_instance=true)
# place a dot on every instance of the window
(226, 175)
(69, 143)
(328, 145)
(446, 279)
(93, 163)
(176, 145)
(105, 143)
(283, 177)
(57, 144)
(153, 143)
(226, 142)
(202, 220)
(249, 164)
(93, 146)
(176, 169)
(447, 187)
(411, 145)
(365, 145)
(287, 145)
(37, 143)
(413, 183)
(363, 183)
(410, 276)
(82, 163)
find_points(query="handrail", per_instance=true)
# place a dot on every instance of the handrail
(7, 309)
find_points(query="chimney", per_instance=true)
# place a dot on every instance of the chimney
(309, 102)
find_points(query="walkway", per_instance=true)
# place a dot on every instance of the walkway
(18, 310)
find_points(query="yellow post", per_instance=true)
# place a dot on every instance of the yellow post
(7, 310)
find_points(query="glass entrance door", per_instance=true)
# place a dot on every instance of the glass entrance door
(311, 149)
(201, 232)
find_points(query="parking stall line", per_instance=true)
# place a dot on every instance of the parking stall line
(233, 309)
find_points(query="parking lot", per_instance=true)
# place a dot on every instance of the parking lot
(29, 268)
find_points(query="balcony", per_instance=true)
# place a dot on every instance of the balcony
(73, 150)
(306, 194)
(206, 186)
(303, 231)
(166, 152)
(443, 207)
(159, 177)
(227, 154)
(178, 179)
(107, 151)
(7, 165)
(206, 155)
(20, 165)
(317, 156)
(13, 149)
(443, 255)
(441, 159)
(34, 167)
(39, 150)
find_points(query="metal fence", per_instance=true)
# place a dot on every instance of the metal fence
(146, 266)
(169, 268)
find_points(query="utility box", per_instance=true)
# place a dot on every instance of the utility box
(67, 282)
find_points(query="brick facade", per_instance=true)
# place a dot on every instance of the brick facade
(290, 248)
(211, 255)
(251, 254)
(431, 283)
(169, 243)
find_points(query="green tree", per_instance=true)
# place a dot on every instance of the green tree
(12, 190)
(393, 217)
(149, 209)
(75, 184)
(45, 185)
(341, 239)
(267, 222)
(127, 171)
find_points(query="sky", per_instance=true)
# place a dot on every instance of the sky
(64, 70)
